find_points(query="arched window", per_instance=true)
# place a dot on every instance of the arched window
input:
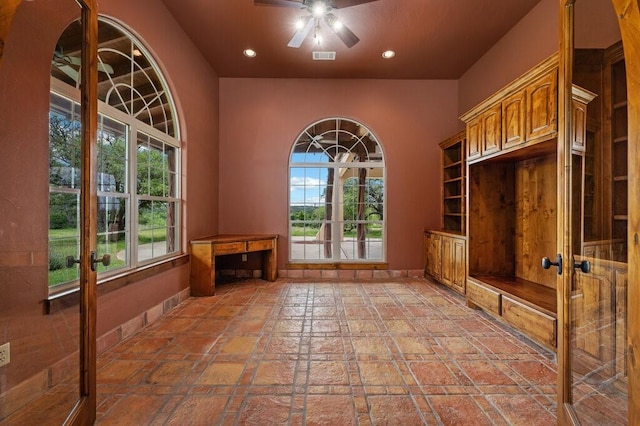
(336, 194)
(138, 156)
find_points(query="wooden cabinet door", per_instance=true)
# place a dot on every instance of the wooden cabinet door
(435, 255)
(513, 120)
(491, 130)
(579, 126)
(474, 136)
(447, 261)
(459, 265)
(542, 107)
(427, 253)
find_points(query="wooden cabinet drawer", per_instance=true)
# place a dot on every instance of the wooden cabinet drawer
(483, 297)
(259, 245)
(536, 324)
(229, 248)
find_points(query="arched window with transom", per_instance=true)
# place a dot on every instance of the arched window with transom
(138, 156)
(336, 194)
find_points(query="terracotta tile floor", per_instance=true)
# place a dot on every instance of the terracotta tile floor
(392, 352)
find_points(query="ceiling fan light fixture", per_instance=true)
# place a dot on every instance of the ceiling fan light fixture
(388, 54)
(319, 9)
(249, 53)
(336, 24)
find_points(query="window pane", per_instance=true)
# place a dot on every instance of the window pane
(64, 236)
(113, 231)
(64, 144)
(157, 229)
(157, 167)
(170, 169)
(112, 156)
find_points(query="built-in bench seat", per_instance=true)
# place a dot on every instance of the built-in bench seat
(525, 305)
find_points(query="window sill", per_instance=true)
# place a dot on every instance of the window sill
(57, 303)
(340, 266)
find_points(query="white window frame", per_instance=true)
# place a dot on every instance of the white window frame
(133, 128)
(337, 223)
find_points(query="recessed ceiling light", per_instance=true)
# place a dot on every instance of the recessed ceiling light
(249, 53)
(388, 54)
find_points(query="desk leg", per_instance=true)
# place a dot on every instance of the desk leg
(203, 270)
(270, 264)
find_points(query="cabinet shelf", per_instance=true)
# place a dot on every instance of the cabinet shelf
(457, 164)
(620, 217)
(620, 178)
(621, 139)
(453, 180)
(619, 105)
(453, 183)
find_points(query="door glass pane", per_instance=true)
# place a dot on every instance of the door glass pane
(598, 303)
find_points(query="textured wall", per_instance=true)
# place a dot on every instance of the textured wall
(39, 340)
(261, 118)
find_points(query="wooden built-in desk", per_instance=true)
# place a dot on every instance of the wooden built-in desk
(205, 250)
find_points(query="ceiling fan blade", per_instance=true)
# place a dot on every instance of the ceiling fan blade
(68, 70)
(298, 38)
(341, 4)
(74, 60)
(345, 34)
(281, 3)
(105, 68)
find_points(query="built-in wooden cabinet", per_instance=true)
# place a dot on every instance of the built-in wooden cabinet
(619, 137)
(522, 113)
(509, 202)
(445, 249)
(445, 255)
(453, 183)
(512, 200)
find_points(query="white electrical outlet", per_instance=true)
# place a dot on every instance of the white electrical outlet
(5, 351)
(244, 257)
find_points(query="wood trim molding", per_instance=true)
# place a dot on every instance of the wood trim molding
(66, 300)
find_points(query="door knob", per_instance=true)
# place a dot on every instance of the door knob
(70, 261)
(547, 263)
(584, 266)
(105, 260)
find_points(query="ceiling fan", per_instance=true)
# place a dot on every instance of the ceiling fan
(68, 64)
(319, 11)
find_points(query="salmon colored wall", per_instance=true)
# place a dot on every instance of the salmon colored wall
(529, 42)
(261, 118)
(39, 340)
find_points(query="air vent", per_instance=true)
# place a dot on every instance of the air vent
(324, 56)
